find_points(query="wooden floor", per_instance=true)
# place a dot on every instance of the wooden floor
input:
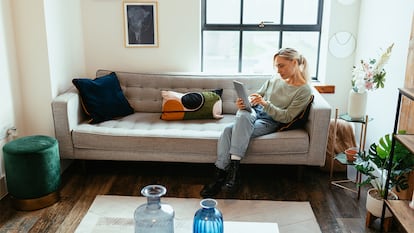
(336, 210)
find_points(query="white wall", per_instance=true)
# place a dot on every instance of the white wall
(381, 23)
(33, 65)
(337, 71)
(179, 38)
(9, 85)
(66, 56)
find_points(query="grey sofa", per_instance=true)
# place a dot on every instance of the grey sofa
(143, 136)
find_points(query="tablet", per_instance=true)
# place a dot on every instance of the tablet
(242, 93)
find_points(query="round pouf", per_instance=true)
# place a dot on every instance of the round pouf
(32, 167)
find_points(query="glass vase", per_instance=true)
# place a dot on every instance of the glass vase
(208, 219)
(154, 216)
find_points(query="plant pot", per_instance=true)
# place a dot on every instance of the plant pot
(374, 205)
(351, 154)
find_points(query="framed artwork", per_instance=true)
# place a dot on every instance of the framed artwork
(140, 24)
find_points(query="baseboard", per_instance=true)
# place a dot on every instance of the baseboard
(3, 189)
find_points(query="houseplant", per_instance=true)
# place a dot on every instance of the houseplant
(374, 168)
(368, 75)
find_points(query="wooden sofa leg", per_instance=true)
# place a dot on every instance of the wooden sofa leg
(301, 171)
(83, 166)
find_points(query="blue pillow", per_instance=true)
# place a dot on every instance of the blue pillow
(102, 98)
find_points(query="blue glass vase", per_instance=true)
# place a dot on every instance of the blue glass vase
(154, 216)
(208, 219)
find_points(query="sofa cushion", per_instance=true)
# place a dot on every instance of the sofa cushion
(144, 136)
(191, 105)
(102, 98)
(300, 120)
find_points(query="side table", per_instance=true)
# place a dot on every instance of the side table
(341, 157)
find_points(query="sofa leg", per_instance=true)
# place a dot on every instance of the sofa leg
(300, 172)
(83, 166)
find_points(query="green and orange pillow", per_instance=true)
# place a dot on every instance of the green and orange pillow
(191, 105)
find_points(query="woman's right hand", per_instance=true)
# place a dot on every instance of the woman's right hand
(239, 103)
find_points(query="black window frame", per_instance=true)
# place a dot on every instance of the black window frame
(281, 28)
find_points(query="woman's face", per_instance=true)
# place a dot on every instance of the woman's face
(285, 67)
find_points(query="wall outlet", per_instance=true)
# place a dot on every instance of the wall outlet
(6, 131)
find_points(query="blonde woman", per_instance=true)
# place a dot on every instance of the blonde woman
(276, 103)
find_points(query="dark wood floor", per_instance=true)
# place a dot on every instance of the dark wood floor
(336, 210)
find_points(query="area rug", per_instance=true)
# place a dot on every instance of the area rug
(111, 213)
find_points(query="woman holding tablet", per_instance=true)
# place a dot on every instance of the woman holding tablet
(278, 101)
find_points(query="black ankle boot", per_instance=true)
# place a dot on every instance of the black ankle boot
(214, 188)
(233, 176)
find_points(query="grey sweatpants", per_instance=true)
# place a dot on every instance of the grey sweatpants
(235, 138)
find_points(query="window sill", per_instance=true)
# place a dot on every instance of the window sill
(325, 89)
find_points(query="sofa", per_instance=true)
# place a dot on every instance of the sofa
(144, 136)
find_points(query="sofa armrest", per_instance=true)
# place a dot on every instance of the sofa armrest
(67, 114)
(317, 127)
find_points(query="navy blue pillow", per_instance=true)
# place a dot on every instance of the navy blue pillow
(102, 98)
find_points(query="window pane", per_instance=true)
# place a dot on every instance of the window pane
(301, 12)
(258, 51)
(223, 12)
(307, 44)
(255, 11)
(221, 51)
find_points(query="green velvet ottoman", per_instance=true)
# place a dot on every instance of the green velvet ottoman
(32, 167)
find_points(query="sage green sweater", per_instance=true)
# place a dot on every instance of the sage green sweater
(285, 102)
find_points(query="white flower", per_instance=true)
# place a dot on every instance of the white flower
(370, 75)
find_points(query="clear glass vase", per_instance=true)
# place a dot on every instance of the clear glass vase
(208, 219)
(154, 216)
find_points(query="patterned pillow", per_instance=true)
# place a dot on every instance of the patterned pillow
(191, 105)
(102, 98)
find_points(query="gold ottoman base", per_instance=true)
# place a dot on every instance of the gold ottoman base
(36, 203)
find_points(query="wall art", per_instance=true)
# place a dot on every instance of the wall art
(141, 24)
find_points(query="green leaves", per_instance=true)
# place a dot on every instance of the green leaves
(378, 157)
(379, 79)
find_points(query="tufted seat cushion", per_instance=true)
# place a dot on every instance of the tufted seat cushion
(147, 133)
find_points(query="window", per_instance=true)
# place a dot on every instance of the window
(243, 35)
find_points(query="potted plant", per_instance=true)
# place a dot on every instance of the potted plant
(374, 168)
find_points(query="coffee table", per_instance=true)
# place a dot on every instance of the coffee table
(115, 214)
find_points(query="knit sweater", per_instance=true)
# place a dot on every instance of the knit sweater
(285, 101)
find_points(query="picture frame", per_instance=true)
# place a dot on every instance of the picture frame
(140, 24)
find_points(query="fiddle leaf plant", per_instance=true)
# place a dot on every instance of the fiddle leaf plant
(378, 158)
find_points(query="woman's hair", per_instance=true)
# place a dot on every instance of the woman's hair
(292, 54)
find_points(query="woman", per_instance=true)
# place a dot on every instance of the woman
(278, 101)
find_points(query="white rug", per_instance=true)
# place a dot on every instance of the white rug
(115, 214)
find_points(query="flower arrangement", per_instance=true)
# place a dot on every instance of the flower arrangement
(370, 75)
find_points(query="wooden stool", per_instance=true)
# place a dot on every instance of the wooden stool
(371, 218)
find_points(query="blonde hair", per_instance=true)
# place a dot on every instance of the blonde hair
(292, 54)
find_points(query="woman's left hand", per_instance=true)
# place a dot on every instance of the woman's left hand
(256, 99)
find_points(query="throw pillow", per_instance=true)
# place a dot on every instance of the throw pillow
(300, 120)
(102, 98)
(191, 105)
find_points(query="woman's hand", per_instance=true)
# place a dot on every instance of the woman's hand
(239, 103)
(256, 99)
